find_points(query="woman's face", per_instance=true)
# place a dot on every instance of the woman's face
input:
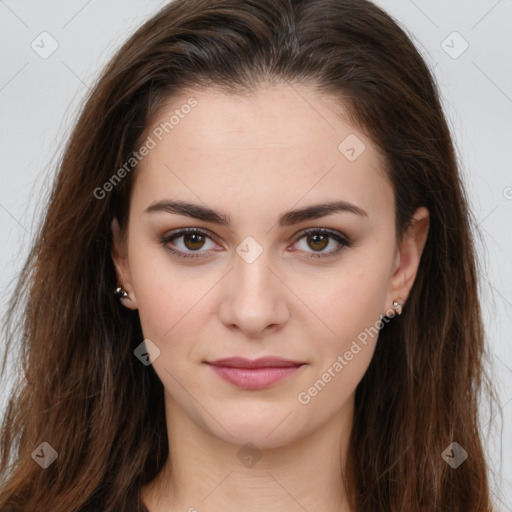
(250, 174)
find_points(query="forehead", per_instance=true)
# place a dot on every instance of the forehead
(281, 145)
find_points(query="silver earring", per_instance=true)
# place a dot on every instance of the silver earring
(397, 306)
(121, 293)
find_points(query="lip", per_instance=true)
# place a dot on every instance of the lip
(261, 362)
(256, 373)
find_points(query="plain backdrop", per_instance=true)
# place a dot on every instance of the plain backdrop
(467, 43)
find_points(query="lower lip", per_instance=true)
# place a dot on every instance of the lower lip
(254, 378)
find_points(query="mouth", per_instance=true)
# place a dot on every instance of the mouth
(254, 374)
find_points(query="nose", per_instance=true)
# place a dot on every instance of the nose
(254, 298)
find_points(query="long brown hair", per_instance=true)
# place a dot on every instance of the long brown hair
(81, 390)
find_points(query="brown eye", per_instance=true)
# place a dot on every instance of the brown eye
(317, 240)
(193, 241)
(187, 243)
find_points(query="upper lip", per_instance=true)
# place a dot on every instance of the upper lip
(261, 362)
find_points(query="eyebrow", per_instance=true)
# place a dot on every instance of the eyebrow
(289, 218)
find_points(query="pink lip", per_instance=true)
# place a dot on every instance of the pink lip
(254, 374)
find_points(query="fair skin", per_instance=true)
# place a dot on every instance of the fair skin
(254, 158)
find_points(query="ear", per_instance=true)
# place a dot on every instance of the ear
(120, 258)
(408, 257)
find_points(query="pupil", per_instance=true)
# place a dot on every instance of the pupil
(319, 239)
(196, 239)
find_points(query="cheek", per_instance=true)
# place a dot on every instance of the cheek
(342, 358)
(350, 306)
(344, 301)
(167, 296)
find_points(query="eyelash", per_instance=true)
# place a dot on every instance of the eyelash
(341, 239)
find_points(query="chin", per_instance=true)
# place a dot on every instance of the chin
(279, 429)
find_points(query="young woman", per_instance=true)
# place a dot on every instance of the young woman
(255, 285)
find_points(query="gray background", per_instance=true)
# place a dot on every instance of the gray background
(39, 98)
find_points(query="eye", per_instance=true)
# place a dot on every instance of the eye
(195, 239)
(320, 238)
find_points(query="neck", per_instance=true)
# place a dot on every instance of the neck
(213, 475)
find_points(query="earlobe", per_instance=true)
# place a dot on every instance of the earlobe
(124, 290)
(409, 255)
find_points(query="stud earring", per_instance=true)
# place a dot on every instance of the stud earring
(121, 293)
(398, 307)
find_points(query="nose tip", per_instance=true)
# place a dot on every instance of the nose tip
(253, 302)
(252, 321)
